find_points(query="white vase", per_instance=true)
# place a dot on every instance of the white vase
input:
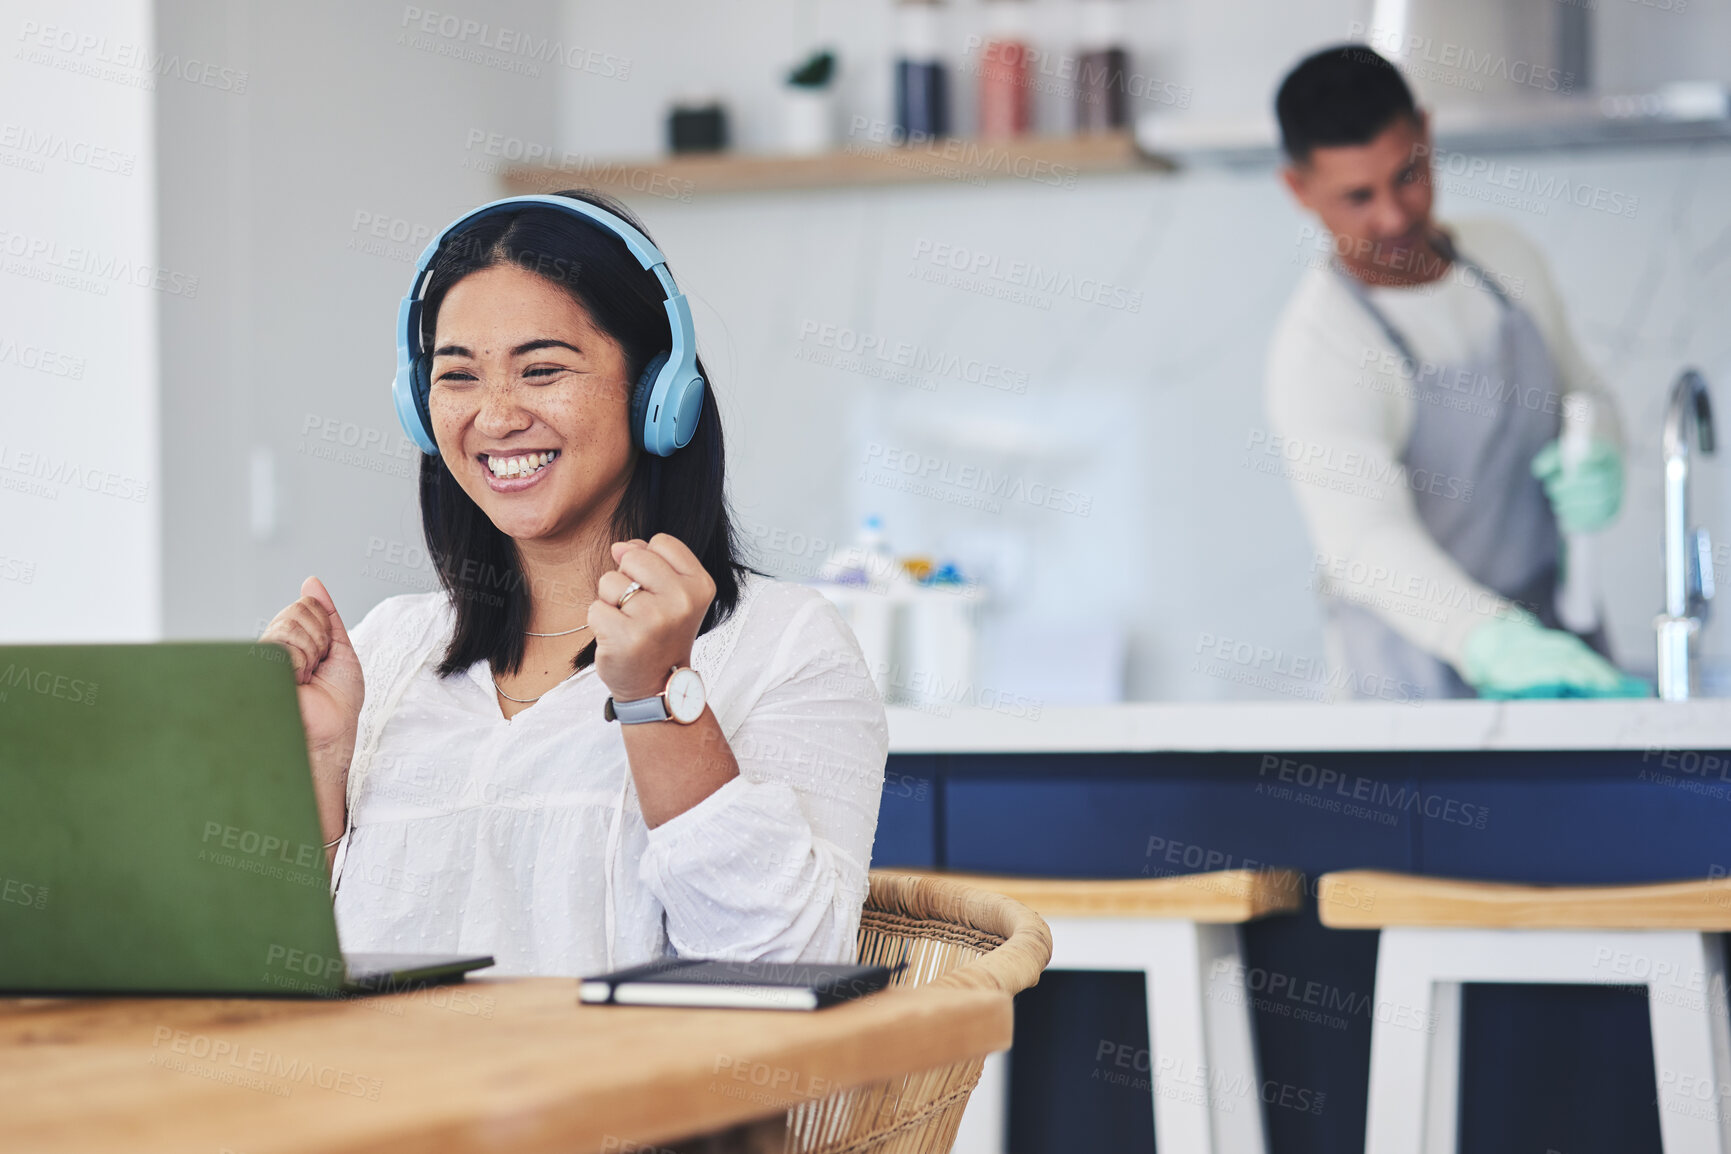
(807, 119)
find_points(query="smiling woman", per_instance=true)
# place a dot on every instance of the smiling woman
(573, 499)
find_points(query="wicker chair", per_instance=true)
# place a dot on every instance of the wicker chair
(950, 934)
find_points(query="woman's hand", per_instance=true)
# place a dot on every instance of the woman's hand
(637, 646)
(328, 680)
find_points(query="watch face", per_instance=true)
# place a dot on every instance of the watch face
(685, 696)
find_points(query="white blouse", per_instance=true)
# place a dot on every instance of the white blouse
(522, 838)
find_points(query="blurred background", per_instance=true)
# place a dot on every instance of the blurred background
(1025, 353)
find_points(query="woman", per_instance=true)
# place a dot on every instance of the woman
(474, 791)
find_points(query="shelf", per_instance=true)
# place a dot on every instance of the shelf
(1054, 161)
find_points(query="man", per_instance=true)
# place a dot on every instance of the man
(1415, 385)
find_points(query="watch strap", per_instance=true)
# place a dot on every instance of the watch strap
(637, 712)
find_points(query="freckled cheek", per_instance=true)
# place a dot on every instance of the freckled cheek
(449, 420)
(595, 422)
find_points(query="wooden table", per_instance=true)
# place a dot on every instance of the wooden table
(491, 1065)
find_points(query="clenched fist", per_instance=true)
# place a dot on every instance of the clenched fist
(330, 689)
(638, 645)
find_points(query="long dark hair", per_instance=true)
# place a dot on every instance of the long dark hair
(682, 495)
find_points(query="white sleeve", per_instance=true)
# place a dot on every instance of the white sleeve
(1337, 426)
(772, 866)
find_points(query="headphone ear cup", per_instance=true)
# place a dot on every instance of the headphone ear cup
(640, 399)
(688, 409)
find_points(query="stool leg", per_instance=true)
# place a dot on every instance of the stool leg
(1170, 957)
(1414, 1050)
(1234, 1077)
(1691, 1042)
(1177, 974)
(985, 1119)
(1443, 1086)
(1207, 1093)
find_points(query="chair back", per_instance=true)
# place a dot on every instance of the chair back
(946, 933)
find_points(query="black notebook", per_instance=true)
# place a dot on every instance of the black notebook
(734, 985)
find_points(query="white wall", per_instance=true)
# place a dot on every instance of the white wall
(80, 492)
(1147, 413)
(303, 202)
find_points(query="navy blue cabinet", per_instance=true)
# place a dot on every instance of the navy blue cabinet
(1545, 1067)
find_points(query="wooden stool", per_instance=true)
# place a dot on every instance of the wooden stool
(1182, 933)
(1438, 933)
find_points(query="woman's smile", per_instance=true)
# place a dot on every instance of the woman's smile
(513, 472)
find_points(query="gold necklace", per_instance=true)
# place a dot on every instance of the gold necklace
(565, 633)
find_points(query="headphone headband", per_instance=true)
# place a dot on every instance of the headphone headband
(667, 399)
(641, 246)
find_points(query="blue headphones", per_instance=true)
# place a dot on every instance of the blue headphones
(668, 397)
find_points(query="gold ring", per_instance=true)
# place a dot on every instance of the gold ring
(630, 590)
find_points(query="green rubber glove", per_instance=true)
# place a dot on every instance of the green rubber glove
(1587, 495)
(1515, 656)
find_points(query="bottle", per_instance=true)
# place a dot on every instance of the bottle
(865, 584)
(868, 562)
(922, 87)
(874, 552)
(1006, 106)
(1102, 74)
(1577, 600)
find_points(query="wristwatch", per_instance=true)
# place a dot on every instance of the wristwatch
(682, 700)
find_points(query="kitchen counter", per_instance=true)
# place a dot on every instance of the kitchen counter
(1263, 727)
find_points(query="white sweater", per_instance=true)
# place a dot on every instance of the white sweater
(1336, 394)
(523, 838)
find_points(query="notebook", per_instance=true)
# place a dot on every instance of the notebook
(734, 985)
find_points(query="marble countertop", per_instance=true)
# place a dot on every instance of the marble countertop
(1290, 727)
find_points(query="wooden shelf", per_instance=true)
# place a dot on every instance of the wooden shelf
(1058, 162)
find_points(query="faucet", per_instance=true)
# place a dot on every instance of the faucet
(1688, 553)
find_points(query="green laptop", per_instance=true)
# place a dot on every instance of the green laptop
(158, 832)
